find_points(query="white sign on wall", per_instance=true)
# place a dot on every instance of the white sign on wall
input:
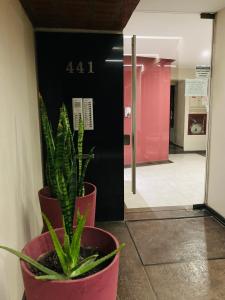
(202, 71)
(197, 105)
(196, 87)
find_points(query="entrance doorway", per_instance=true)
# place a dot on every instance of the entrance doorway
(171, 115)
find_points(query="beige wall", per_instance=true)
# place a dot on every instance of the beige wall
(20, 158)
(216, 184)
(179, 114)
(182, 73)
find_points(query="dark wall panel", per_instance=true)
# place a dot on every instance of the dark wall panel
(105, 86)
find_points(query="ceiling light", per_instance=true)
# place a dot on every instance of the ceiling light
(143, 54)
(117, 48)
(206, 53)
(170, 66)
(113, 60)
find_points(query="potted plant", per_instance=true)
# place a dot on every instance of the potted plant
(61, 150)
(68, 263)
(54, 266)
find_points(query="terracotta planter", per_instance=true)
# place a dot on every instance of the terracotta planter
(50, 206)
(100, 286)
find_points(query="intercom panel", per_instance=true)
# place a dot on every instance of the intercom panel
(77, 104)
(88, 114)
(83, 110)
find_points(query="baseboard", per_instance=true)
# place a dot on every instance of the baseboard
(214, 213)
(218, 216)
(199, 206)
(150, 163)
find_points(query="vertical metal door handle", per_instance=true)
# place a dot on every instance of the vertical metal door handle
(134, 98)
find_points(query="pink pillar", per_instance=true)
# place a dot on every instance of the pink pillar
(153, 109)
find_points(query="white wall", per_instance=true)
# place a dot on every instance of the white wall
(216, 184)
(20, 157)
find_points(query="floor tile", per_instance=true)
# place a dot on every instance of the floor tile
(159, 208)
(178, 240)
(133, 280)
(133, 200)
(166, 214)
(198, 280)
(179, 183)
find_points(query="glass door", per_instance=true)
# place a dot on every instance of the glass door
(165, 117)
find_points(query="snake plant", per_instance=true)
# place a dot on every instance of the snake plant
(65, 165)
(65, 179)
(68, 254)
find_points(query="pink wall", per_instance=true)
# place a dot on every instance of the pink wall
(153, 109)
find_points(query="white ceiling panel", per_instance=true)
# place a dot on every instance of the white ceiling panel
(185, 6)
(195, 36)
(154, 48)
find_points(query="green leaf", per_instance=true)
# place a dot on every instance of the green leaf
(81, 178)
(66, 247)
(86, 261)
(73, 183)
(69, 150)
(57, 245)
(66, 124)
(51, 277)
(66, 243)
(80, 140)
(76, 241)
(50, 146)
(31, 261)
(87, 267)
(46, 126)
(60, 145)
(66, 203)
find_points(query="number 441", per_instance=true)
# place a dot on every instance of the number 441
(71, 68)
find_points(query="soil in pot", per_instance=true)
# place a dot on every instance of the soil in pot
(51, 261)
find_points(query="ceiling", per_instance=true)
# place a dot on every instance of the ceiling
(185, 6)
(104, 15)
(183, 37)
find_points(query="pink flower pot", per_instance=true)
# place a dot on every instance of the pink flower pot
(99, 286)
(50, 206)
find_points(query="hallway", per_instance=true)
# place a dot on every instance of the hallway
(181, 181)
(171, 255)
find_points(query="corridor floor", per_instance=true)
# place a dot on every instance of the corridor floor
(181, 182)
(178, 256)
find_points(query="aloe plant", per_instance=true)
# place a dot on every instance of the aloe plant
(65, 165)
(69, 255)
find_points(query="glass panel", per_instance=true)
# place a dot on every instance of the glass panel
(173, 67)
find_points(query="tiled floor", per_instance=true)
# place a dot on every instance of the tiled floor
(158, 213)
(179, 183)
(171, 259)
(174, 149)
(178, 240)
